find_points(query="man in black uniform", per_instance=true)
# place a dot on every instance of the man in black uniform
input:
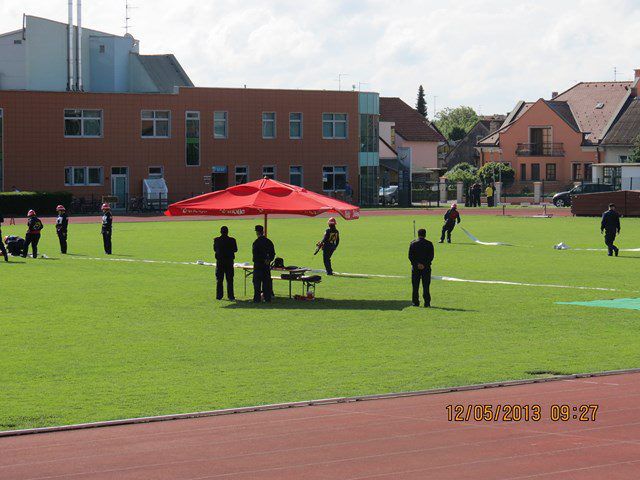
(62, 223)
(329, 244)
(263, 254)
(610, 226)
(450, 219)
(225, 248)
(107, 222)
(2, 249)
(421, 256)
(14, 244)
(34, 226)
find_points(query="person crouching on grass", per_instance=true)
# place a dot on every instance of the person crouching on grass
(2, 249)
(421, 255)
(34, 227)
(107, 224)
(450, 219)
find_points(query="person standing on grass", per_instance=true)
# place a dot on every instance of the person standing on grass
(107, 227)
(348, 192)
(2, 249)
(489, 193)
(450, 219)
(476, 194)
(421, 255)
(610, 226)
(329, 244)
(225, 248)
(263, 254)
(34, 227)
(62, 222)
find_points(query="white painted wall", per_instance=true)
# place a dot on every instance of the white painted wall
(12, 62)
(612, 154)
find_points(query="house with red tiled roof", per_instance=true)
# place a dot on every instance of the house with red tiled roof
(557, 141)
(411, 137)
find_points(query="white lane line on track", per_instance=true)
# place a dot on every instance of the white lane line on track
(367, 275)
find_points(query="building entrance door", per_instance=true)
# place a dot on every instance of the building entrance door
(120, 186)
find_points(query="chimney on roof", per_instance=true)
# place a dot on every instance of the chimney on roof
(554, 95)
(636, 83)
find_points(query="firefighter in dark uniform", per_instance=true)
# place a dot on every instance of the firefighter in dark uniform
(34, 227)
(225, 248)
(62, 222)
(450, 219)
(263, 254)
(610, 226)
(329, 244)
(14, 244)
(107, 223)
(421, 256)
(2, 249)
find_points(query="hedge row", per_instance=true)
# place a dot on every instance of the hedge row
(44, 203)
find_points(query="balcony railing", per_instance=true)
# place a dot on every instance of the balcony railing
(540, 150)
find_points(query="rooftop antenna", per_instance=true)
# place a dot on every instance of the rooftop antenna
(127, 7)
(340, 75)
(615, 74)
(435, 110)
(360, 85)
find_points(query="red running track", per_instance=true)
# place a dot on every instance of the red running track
(519, 212)
(405, 438)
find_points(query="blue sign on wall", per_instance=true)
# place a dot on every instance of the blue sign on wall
(219, 169)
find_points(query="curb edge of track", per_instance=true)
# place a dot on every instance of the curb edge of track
(307, 403)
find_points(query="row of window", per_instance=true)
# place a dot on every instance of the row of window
(579, 172)
(333, 177)
(157, 124)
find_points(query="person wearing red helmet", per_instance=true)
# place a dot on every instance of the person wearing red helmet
(62, 223)
(2, 249)
(450, 219)
(329, 244)
(34, 227)
(107, 222)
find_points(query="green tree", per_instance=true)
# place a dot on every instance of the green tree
(635, 151)
(421, 104)
(463, 172)
(497, 172)
(457, 133)
(463, 118)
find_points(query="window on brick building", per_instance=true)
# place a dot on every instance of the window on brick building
(269, 171)
(576, 172)
(242, 175)
(334, 125)
(523, 172)
(295, 175)
(80, 176)
(535, 172)
(83, 123)
(588, 172)
(551, 172)
(155, 123)
(295, 125)
(269, 125)
(193, 138)
(220, 127)
(334, 178)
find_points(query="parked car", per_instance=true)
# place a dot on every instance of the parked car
(389, 194)
(563, 199)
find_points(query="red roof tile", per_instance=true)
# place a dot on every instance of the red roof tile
(410, 125)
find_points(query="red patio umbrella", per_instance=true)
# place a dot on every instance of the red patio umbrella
(263, 197)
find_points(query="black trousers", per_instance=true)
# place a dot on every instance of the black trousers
(3, 250)
(62, 236)
(418, 276)
(31, 239)
(262, 284)
(224, 269)
(327, 251)
(609, 238)
(447, 228)
(106, 240)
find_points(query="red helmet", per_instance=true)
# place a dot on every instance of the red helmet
(31, 213)
(331, 221)
(105, 206)
(60, 207)
(454, 205)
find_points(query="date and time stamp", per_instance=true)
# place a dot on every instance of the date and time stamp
(521, 413)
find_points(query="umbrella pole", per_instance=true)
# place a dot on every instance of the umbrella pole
(265, 224)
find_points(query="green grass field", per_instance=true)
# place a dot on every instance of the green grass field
(86, 340)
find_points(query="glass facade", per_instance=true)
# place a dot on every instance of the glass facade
(193, 138)
(369, 133)
(368, 156)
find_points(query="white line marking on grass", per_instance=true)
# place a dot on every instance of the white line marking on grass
(369, 275)
(494, 244)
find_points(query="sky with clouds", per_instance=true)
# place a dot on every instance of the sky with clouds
(487, 54)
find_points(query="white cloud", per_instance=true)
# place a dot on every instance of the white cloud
(472, 52)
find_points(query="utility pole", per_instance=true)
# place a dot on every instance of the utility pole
(340, 75)
(615, 74)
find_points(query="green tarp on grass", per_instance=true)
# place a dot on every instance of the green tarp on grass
(627, 303)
